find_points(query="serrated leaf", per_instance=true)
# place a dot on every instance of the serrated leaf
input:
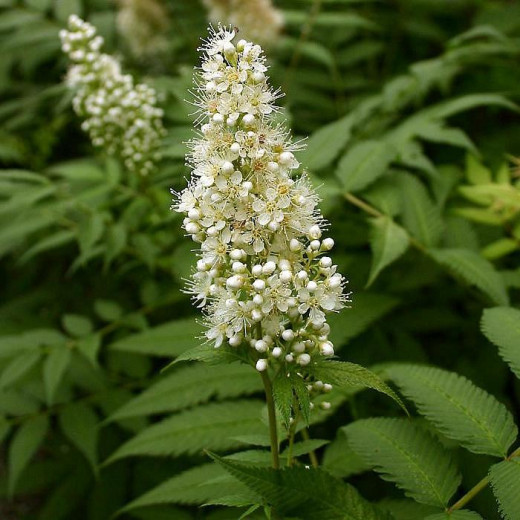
(18, 368)
(325, 144)
(341, 460)
(24, 445)
(54, 368)
(505, 481)
(81, 426)
(211, 426)
(195, 486)
(388, 242)
(458, 408)
(364, 163)
(348, 375)
(190, 386)
(170, 339)
(408, 456)
(501, 326)
(307, 493)
(436, 132)
(475, 270)
(421, 217)
(283, 395)
(209, 354)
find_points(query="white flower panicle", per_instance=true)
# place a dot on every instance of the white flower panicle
(263, 277)
(119, 116)
(258, 20)
(143, 24)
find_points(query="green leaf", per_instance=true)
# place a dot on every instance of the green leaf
(211, 426)
(501, 326)
(195, 486)
(18, 367)
(462, 514)
(408, 456)
(349, 375)
(341, 460)
(421, 217)
(325, 144)
(77, 325)
(108, 310)
(364, 163)
(475, 270)
(283, 395)
(54, 368)
(388, 242)
(89, 346)
(64, 8)
(90, 231)
(170, 339)
(209, 354)
(81, 425)
(458, 408)
(24, 445)
(307, 493)
(436, 132)
(190, 386)
(505, 481)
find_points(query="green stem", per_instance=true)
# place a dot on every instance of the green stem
(272, 419)
(477, 488)
(312, 455)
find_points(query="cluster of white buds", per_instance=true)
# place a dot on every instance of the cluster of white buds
(258, 20)
(119, 116)
(263, 277)
(143, 24)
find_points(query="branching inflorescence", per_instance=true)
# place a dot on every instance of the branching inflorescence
(119, 116)
(263, 278)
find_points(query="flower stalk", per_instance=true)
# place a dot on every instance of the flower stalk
(263, 278)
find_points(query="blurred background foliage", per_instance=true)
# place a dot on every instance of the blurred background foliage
(411, 108)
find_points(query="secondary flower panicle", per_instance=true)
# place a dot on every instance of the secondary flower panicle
(263, 278)
(258, 20)
(119, 116)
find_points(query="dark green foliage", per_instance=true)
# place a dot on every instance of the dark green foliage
(411, 113)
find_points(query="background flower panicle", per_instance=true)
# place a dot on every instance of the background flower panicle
(263, 278)
(143, 24)
(258, 20)
(119, 116)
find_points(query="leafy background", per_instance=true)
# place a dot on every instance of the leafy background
(411, 108)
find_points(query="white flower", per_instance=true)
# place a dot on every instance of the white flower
(262, 278)
(119, 116)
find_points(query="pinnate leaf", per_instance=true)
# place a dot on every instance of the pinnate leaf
(475, 270)
(501, 325)
(408, 456)
(388, 242)
(458, 408)
(212, 426)
(505, 481)
(349, 375)
(23, 446)
(190, 386)
(307, 493)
